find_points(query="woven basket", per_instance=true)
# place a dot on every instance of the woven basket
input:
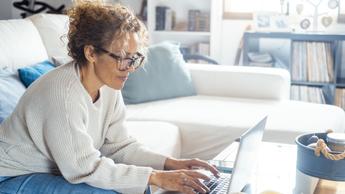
(320, 167)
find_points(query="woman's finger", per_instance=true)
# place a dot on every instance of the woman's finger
(202, 185)
(207, 166)
(187, 190)
(196, 174)
(189, 181)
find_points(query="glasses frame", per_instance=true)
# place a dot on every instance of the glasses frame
(120, 59)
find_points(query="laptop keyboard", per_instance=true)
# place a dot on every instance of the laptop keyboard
(218, 185)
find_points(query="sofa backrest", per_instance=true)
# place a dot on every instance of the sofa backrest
(20, 44)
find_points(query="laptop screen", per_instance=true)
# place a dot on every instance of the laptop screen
(245, 162)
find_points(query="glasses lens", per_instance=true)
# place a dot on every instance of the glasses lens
(138, 62)
(127, 63)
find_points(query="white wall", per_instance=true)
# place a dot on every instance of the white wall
(5, 11)
(134, 4)
(231, 37)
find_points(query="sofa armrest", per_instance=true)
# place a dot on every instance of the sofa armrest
(240, 81)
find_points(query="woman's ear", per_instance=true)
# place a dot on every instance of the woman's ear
(89, 53)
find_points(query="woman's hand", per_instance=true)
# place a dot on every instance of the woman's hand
(188, 164)
(185, 181)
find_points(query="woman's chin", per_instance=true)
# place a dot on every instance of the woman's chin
(116, 86)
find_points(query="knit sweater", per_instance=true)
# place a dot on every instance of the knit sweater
(56, 128)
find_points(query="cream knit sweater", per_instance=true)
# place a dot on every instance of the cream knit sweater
(56, 128)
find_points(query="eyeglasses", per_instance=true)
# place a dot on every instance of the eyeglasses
(125, 63)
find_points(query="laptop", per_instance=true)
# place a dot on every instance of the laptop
(236, 177)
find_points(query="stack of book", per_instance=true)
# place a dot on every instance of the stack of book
(307, 94)
(198, 20)
(312, 61)
(165, 18)
(340, 97)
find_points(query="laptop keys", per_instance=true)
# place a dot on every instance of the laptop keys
(218, 185)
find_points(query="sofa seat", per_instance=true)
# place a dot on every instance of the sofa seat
(160, 137)
(209, 123)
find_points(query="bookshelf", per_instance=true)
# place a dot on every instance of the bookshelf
(315, 61)
(195, 24)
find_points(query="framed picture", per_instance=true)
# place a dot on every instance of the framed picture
(341, 15)
(267, 21)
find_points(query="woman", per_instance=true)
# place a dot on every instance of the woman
(67, 133)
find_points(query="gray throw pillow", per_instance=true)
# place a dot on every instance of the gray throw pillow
(163, 76)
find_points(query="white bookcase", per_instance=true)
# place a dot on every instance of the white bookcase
(185, 37)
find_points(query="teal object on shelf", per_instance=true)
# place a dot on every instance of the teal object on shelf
(320, 167)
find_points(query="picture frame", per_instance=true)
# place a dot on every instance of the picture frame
(269, 21)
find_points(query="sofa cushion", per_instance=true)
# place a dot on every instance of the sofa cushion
(160, 137)
(30, 73)
(216, 121)
(20, 44)
(53, 29)
(11, 89)
(58, 60)
(163, 76)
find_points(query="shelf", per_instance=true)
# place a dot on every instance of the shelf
(306, 83)
(334, 49)
(341, 81)
(179, 16)
(341, 85)
(181, 33)
(295, 36)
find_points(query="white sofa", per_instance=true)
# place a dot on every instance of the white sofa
(229, 99)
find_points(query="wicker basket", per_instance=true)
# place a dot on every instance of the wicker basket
(320, 167)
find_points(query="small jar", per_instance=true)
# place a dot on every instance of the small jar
(336, 141)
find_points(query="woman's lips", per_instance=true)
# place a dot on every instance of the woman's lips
(123, 78)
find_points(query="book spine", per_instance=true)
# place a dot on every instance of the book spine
(160, 17)
(193, 19)
(168, 19)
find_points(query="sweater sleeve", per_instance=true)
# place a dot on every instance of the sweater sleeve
(123, 148)
(78, 160)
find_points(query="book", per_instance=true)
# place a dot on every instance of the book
(312, 61)
(340, 97)
(169, 19)
(160, 17)
(198, 20)
(307, 94)
(193, 17)
(203, 22)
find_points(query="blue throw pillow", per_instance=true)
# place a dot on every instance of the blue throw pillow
(11, 89)
(30, 73)
(164, 76)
